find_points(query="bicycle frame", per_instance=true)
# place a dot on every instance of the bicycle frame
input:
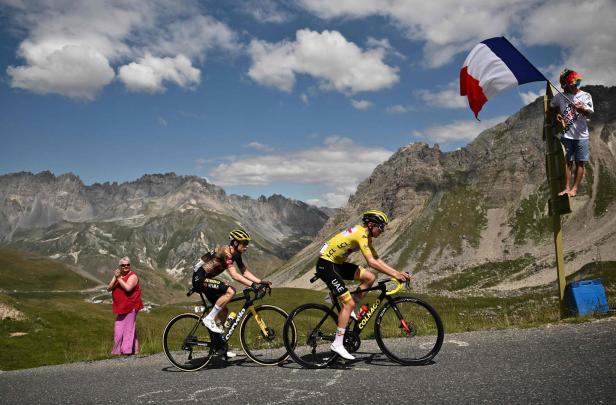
(385, 295)
(248, 305)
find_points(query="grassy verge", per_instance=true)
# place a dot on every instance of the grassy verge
(64, 327)
(28, 271)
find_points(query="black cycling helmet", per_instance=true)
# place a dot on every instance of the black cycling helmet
(376, 217)
(239, 235)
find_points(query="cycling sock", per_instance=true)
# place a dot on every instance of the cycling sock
(339, 336)
(213, 312)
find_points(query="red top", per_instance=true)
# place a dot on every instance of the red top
(124, 302)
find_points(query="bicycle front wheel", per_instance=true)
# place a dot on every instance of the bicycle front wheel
(315, 327)
(187, 342)
(409, 331)
(261, 335)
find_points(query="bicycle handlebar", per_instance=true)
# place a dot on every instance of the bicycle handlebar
(399, 286)
(260, 291)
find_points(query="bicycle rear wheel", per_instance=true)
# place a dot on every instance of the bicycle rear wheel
(409, 331)
(187, 342)
(261, 337)
(315, 327)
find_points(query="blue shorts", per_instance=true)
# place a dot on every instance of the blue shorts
(576, 149)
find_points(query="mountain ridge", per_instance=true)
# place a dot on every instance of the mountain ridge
(486, 202)
(164, 222)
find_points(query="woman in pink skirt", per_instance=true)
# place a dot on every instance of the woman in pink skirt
(126, 293)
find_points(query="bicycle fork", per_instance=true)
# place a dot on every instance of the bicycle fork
(404, 324)
(260, 322)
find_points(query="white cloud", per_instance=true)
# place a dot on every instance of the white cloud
(311, 166)
(530, 96)
(193, 36)
(149, 72)
(71, 48)
(162, 121)
(447, 97)
(446, 27)
(361, 104)
(199, 163)
(259, 146)
(458, 131)
(77, 71)
(265, 11)
(584, 29)
(327, 56)
(398, 109)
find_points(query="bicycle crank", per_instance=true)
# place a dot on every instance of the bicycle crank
(351, 341)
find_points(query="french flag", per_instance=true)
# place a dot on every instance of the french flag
(494, 65)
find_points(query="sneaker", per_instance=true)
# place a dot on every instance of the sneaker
(342, 351)
(211, 325)
(231, 354)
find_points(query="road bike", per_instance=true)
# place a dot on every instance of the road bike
(407, 329)
(189, 345)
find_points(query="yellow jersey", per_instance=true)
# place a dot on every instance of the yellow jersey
(338, 248)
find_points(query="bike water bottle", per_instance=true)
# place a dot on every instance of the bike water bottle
(230, 319)
(363, 311)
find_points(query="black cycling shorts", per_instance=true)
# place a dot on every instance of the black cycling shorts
(333, 275)
(210, 287)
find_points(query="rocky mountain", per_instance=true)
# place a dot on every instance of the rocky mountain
(163, 222)
(478, 217)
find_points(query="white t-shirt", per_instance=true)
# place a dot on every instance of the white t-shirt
(576, 126)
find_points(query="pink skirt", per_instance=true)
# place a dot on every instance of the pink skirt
(125, 334)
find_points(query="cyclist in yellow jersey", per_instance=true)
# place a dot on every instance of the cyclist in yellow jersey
(333, 268)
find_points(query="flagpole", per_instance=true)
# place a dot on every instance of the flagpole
(561, 93)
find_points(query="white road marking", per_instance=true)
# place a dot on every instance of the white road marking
(458, 342)
(169, 396)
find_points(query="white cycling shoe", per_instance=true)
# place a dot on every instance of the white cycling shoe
(211, 325)
(342, 351)
(231, 354)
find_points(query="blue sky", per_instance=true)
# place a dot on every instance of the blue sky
(298, 98)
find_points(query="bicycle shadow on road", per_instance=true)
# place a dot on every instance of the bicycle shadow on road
(363, 358)
(217, 362)
(380, 360)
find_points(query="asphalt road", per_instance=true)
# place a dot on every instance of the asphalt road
(552, 364)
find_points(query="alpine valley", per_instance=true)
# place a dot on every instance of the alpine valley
(463, 222)
(164, 223)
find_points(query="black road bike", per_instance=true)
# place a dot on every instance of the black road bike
(407, 329)
(189, 345)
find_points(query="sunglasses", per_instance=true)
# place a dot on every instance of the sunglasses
(125, 265)
(381, 227)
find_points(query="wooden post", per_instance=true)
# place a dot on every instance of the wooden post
(558, 205)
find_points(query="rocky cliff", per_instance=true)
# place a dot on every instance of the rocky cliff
(483, 207)
(163, 222)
